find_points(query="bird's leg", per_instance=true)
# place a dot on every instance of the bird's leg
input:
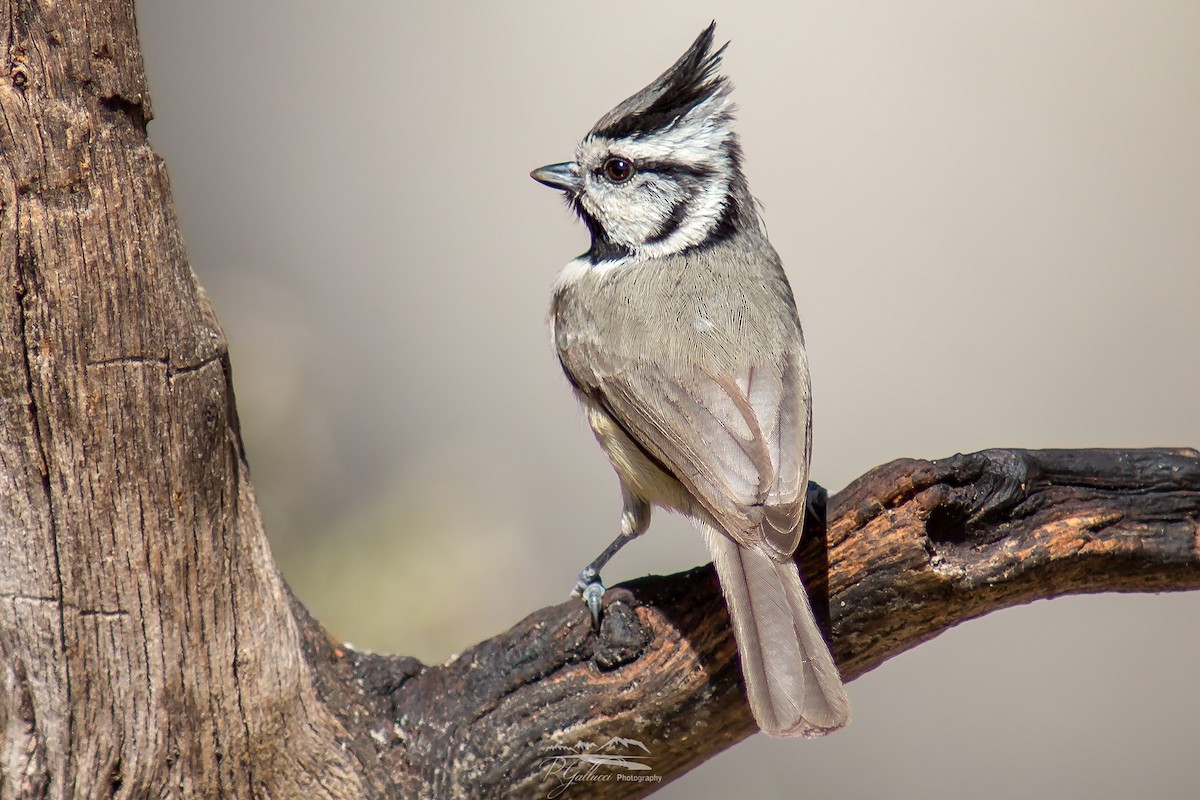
(635, 518)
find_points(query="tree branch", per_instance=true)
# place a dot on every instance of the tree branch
(912, 548)
(149, 647)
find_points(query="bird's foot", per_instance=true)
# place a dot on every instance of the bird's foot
(590, 589)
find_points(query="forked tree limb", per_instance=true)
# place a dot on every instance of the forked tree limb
(148, 645)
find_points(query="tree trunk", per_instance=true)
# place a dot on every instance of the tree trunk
(149, 647)
(149, 644)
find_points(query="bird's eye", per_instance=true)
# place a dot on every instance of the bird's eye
(618, 170)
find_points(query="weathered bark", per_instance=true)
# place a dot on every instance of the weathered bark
(149, 648)
(148, 642)
(911, 548)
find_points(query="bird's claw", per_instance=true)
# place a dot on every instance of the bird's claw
(592, 595)
(590, 589)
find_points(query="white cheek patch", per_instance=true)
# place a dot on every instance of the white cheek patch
(635, 214)
(703, 215)
(631, 213)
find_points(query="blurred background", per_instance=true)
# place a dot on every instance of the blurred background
(990, 214)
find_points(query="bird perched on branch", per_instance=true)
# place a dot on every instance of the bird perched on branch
(679, 333)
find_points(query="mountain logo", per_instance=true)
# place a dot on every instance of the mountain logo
(618, 759)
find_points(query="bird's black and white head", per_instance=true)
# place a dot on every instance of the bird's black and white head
(661, 173)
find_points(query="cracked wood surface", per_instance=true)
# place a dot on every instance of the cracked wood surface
(148, 644)
(149, 648)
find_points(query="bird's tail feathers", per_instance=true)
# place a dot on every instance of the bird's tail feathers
(791, 680)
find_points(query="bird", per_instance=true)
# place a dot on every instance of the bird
(679, 333)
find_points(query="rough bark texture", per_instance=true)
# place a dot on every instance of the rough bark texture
(149, 645)
(911, 548)
(149, 648)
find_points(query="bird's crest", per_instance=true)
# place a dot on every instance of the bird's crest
(688, 83)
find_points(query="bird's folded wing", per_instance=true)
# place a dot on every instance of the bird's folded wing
(738, 439)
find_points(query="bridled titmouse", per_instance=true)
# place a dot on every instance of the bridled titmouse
(678, 332)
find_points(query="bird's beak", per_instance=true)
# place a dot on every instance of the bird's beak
(563, 176)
